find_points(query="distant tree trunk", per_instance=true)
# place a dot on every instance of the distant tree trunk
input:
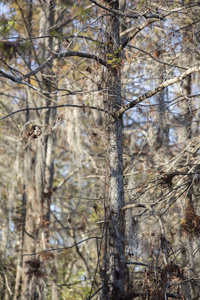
(162, 140)
(38, 178)
(185, 135)
(115, 269)
(186, 107)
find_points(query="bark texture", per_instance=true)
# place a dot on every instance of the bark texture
(116, 240)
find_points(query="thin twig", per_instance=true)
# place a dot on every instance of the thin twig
(53, 107)
(96, 292)
(63, 248)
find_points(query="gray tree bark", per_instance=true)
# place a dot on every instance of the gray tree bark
(115, 256)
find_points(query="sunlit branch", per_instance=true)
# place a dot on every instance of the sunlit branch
(156, 90)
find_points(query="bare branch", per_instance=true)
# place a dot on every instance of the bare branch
(48, 62)
(73, 283)
(63, 248)
(136, 30)
(156, 90)
(118, 13)
(159, 61)
(6, 75)
(52, 107)
(19, 80)
(81, 54)
(7, 284)
(146, 206)
(137, 263)
(55, 188)
(96, 292)
(63, 55)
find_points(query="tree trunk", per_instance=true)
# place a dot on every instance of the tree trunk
(38, 178)
(115, 279)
